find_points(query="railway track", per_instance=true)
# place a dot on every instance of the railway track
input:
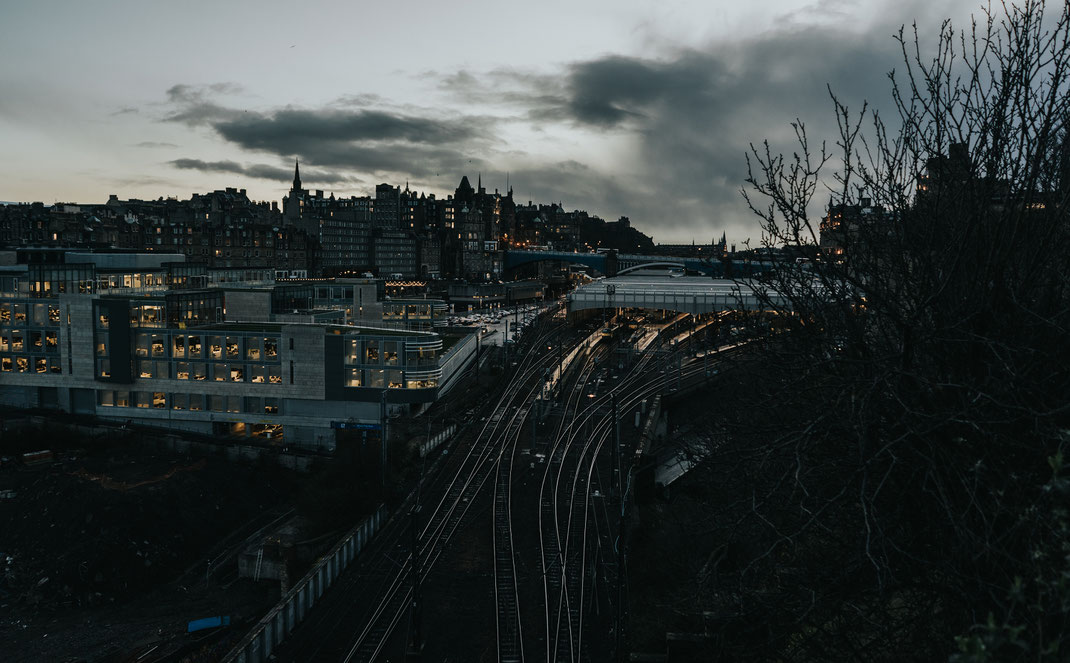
(480, 459)
(573, 547)
(486, 462)
(340, 628)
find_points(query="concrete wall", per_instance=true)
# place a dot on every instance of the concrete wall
(21, 397)
(125, 260)
(259, 644)
(247, 305)
(303, 347)
(430, 445)
(367, 310)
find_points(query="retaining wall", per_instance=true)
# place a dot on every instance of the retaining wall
(258, 645)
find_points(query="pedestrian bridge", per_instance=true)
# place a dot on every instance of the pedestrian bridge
(612, 263)
(685, 294)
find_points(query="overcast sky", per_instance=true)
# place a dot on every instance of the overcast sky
(620, 107)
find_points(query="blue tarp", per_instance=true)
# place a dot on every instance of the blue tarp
(207, 622)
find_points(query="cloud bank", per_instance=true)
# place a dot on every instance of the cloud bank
(685, 119)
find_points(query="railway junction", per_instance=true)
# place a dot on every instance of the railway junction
(513, 545)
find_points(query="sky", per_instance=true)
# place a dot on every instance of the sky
(621, 108)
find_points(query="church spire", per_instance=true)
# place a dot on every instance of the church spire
(297, 176)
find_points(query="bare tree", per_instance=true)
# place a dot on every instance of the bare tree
(903, 499)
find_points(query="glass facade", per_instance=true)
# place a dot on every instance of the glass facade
(29, 336)
(392, 362)
(204, 356)
(151, 354)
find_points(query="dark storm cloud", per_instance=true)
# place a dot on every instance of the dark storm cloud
(344, 135)
(693, 115)
(262, 171)
(685, 119)
(285, 131)
(614, 89)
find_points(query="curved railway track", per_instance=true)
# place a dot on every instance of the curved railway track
(481, 457)
(340, 628)
(572, 545)
(574, 536)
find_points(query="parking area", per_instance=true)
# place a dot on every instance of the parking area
(494, 323)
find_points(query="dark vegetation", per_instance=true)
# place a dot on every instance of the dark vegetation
(891, 482)
(108, 520)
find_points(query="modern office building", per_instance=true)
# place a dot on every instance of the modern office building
(147, 350)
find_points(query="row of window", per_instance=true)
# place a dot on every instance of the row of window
(257, 348)
(18, 314)
(200, 371)
(386, 353)
(32, 340)
(24, 364)
(188, 310)
(161, 400)
(407, 311)
(181, 346)
(380, 378)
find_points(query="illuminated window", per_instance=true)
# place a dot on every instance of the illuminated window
(394, 380)
(354, 378)
(390, 353)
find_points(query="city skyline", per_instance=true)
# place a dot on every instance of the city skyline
(625, 111)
